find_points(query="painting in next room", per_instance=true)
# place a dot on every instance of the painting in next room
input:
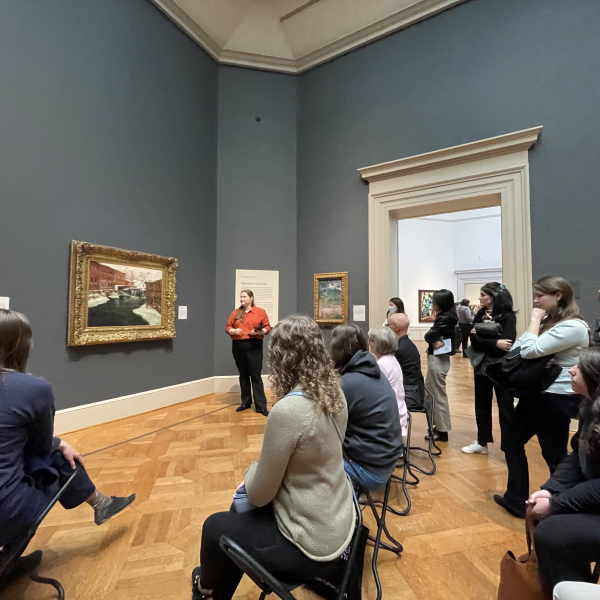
(426, 314)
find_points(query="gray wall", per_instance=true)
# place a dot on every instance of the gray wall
(107, 134)
(484, 68)
(256, 207)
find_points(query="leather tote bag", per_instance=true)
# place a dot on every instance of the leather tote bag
(523, 376)
(520, 577)
(489, 330)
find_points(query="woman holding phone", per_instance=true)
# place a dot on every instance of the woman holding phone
(247, 326)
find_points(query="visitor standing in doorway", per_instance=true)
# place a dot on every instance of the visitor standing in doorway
(247, 326)
(465, 324)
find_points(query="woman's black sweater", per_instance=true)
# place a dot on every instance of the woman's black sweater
(508, 322)
(443, 328)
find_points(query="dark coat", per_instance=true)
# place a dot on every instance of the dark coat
(373, 434)
(508, 322)
(444, 328)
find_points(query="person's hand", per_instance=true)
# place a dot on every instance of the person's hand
(541, 508)
(538, 495)
(474, 331)
(264, 331)
(437, 344)
(504, 344)
(70, 454)
(241, 485)
(233, 331)
(537, 314)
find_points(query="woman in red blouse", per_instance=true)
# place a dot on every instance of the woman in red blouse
(247, 327)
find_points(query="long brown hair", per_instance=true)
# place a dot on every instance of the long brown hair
(589, 365)
(567, 307)
(240, 315)
(298, 356)
(15, 341)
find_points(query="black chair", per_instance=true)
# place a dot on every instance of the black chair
(270, 584)
(9, 555)
(403, 464)
(432, 449)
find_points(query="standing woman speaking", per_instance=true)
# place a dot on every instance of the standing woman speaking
(247, 326)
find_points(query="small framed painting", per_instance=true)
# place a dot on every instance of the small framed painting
(119, 295)
(331, 299)
(426, 314)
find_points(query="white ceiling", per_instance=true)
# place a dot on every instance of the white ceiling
(292, 35)
(466, 215)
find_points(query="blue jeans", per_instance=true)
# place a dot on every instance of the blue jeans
(364, 478)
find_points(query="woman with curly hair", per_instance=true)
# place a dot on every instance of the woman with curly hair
(303, 515)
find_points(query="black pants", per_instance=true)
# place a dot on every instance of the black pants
(566, 545)
(548, 416)
(20, 511)
(257, 532)
(414, 396)
(465, 330)
(248, 356)
(484, 393)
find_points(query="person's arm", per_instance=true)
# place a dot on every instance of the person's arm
(41, 428)
(562, 336)
(231, 324)
(263, 478)
(436, 333)
(582, 498)
(266, 325)
(568, 474)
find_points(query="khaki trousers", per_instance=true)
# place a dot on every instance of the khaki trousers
(435, 382)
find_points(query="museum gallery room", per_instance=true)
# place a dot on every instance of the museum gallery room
(299, 298)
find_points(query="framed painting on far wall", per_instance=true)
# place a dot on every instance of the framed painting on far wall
(426, 314)
(331, 299)
(119, 295)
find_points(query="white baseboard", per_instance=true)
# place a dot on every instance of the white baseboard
(416, 332)
(96, 413)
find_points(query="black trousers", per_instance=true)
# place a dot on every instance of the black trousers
(566, 545)
(248, 356)
(465, 330)
(484, 393)
(548, 416)
(257, 532)
(20, 511)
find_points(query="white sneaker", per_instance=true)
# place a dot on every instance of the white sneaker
(475, 448)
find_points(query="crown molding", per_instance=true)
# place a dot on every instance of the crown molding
(494, 146)
(400, 20)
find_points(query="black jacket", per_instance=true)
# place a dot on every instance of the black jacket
(373, 434)
(508, 322)
(444, 328)
(572, 491)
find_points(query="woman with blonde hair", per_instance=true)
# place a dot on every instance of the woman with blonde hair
(303, 516)
(558, 330)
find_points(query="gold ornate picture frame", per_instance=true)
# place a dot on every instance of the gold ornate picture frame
(119, 295)
(331, 299)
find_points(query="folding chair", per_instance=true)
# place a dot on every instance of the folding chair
(269, 584)
(9, 555)
(431, 453)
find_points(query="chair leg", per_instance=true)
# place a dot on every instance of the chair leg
(263, 595)
(55, 584)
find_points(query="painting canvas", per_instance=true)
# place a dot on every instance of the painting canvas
(331, 298)
(426, 314)
(120, 295)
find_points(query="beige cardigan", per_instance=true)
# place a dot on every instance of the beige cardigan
(301, 470)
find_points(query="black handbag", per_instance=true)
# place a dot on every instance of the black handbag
(523, 376)
(489, 329)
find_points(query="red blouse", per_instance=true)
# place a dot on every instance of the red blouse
(256, 317)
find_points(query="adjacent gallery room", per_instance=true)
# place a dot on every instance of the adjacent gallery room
(206, 209)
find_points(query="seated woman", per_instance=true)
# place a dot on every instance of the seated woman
(33, 464)
(373, 442)
(383, 344)
(567, 540)
(305, 517)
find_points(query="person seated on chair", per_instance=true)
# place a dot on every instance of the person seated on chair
(382, 345)
(34, 465)
(567, 540)
(373, 442)
(407, 354)
(303, 516)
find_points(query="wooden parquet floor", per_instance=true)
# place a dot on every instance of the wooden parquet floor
(184, 463)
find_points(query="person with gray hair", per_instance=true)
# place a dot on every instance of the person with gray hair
(383, 344)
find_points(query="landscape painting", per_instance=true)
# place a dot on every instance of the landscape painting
(119, 295)
(426, 314)
(331, 298)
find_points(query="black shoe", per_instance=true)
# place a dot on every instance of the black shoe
(438, 436)
(196, 593)
(23, 566)
(264, 412)
(243, 407)
(500, 501)
(117, 504)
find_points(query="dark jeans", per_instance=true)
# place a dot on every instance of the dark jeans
(465, 330)
(484, 393)
(548, 416)
(248, 356)
(257, 532)
(566, 545)
(20, 510)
